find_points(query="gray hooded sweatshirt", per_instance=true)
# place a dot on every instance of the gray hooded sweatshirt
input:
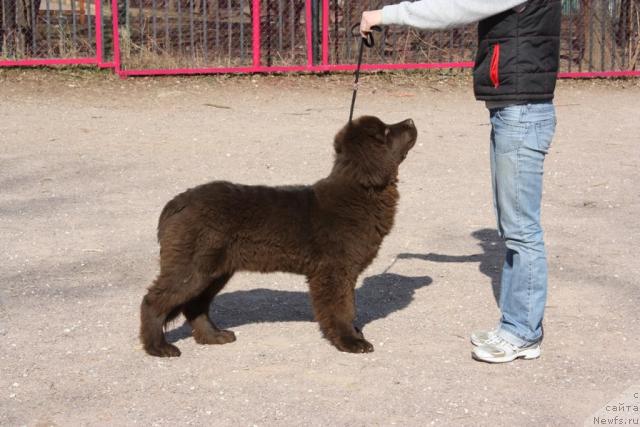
(444, 14)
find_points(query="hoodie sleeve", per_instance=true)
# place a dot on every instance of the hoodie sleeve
(444, 14)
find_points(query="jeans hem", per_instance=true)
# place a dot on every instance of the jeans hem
(512, 337)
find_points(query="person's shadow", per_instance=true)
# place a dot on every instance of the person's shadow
(490, 260)
(378, 297)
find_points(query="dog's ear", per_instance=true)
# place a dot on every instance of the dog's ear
(338, 140)
(356, 132)
(348, 133)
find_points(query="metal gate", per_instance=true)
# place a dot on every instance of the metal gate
(155, 37)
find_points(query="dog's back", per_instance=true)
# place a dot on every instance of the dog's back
(257, 228)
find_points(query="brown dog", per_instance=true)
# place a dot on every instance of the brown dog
(329, 232)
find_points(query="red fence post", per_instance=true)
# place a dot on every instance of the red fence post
(98, 21)
(325, 32)
(307, 21)
(255, 19)
(116, 38)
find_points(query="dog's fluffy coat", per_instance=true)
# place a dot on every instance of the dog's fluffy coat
(329, 232)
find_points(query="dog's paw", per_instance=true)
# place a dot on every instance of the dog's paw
(164, 350)
(351, 344)
(217, 337)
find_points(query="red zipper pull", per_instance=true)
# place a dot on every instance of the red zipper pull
(495, 64)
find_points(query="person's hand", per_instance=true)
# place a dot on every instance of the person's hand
(368, 20)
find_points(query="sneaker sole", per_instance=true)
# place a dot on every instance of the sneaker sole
(529, 354)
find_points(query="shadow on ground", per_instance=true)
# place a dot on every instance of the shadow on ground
(378, 297)
(490, 260)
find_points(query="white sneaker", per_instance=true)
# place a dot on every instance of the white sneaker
(482, 337)
(498, 350)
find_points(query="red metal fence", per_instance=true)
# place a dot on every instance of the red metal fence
(158, 37)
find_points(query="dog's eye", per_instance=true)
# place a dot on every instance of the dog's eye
(381, 138)
(377, 134)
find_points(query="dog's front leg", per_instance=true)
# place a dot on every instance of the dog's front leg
(332, 296)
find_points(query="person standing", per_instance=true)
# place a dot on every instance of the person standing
(515, 74)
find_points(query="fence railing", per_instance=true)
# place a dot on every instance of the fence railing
(148, 37)
(57, 31)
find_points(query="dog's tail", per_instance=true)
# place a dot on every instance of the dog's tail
(174, 206)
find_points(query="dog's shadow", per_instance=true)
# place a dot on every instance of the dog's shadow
(378, 297)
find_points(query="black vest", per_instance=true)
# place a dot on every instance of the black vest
(518, 53)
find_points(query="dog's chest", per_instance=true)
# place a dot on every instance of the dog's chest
(372, 231)
(382, 223)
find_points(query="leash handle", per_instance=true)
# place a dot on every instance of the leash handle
(367, 41)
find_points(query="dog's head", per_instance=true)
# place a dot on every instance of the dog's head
(370, 151)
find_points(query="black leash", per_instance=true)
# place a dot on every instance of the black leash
(364, 41)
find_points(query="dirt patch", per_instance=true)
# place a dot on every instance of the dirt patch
(87, 161)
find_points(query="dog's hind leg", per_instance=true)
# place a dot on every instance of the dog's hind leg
(333, 301)
(197, 313)
(165, 299)
(154, 313)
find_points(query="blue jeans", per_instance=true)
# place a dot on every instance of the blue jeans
(520, 138)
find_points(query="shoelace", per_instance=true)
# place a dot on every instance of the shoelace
(499, 341)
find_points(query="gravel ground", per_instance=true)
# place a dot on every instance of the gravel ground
(87, 161)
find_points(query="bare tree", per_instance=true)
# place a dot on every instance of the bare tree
(628, 30)
(18, 25)
(9, 27)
